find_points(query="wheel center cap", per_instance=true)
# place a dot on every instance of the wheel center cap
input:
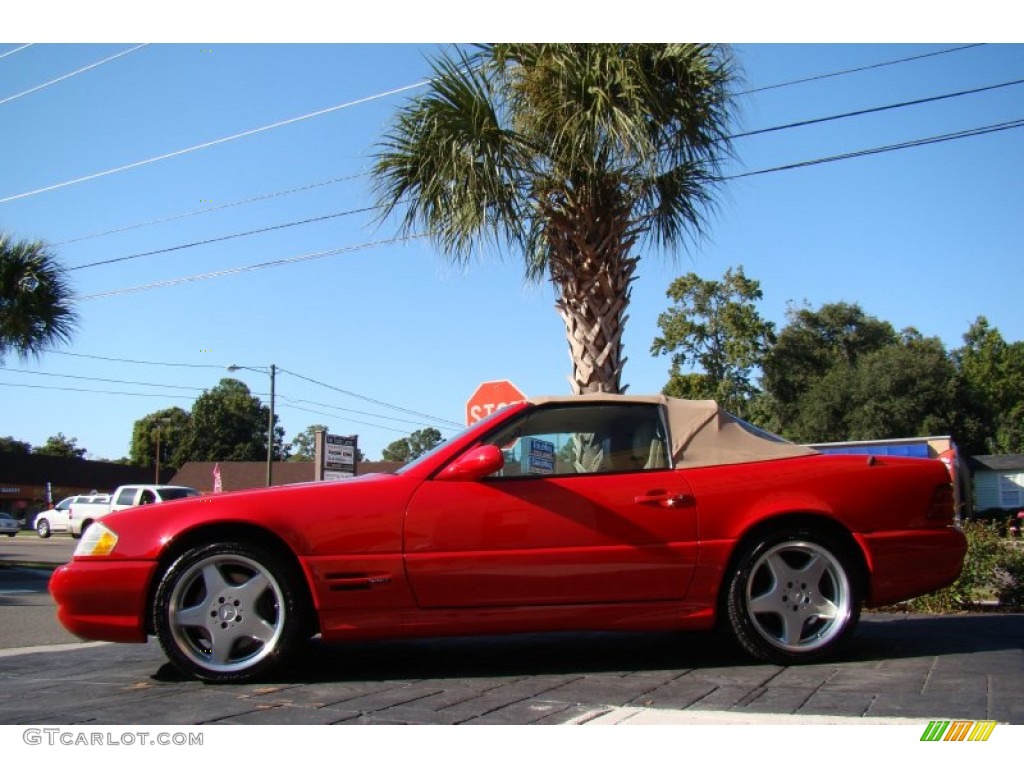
(227, 613)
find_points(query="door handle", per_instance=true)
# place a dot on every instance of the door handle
(667, 500)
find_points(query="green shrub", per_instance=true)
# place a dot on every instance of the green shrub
(993, 570)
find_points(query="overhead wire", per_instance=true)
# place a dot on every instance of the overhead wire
(5, 54)
(246, 268)
(72, 74)
(964, 134)
(223, 238)
(873, 110)
(212, 143)
(853, 70)
(258, 198)
(210, 209)
(391, 406)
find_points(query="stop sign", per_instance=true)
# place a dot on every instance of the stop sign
(489, 397)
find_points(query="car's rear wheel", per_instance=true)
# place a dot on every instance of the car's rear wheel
(794, 597)
(228, 612)
(43, 529)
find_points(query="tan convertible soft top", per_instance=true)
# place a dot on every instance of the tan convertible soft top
(701, 432)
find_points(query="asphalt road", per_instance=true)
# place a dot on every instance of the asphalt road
(967, 666)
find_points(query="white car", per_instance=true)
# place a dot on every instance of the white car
(55, 520)
(9, 525)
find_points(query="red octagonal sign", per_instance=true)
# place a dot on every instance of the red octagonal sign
(489, 397)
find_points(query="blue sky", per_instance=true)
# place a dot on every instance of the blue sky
(928, 237)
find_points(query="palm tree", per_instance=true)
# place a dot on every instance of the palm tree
(35, 299)
(570, 154)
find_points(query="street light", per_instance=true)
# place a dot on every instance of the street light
(270, 426)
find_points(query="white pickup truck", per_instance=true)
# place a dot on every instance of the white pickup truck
(84, 513)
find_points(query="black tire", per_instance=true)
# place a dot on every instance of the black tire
(43, 529)
(794, 597)
(229, 612)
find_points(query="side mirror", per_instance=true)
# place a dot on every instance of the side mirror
(475, 464)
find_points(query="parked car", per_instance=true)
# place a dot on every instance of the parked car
(55, 520)
(586, 513)
(9, 525)
(85, 512)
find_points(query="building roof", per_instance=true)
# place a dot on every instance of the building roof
(38, 470)
(1007, 462)
(239, 475)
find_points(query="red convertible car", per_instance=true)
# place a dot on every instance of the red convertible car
(584, 513)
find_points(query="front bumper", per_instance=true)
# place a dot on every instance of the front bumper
(103, 599)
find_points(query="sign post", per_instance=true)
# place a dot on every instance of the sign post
(489, 397)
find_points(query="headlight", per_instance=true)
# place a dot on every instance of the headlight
(98, 540)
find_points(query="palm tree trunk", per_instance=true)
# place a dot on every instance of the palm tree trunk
(592, 304)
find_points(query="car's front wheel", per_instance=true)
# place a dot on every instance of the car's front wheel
(228, 612)
(794, 597)
(43, 529)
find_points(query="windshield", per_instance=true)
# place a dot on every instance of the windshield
(415, 462)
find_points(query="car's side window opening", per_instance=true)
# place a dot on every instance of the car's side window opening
(583, 439)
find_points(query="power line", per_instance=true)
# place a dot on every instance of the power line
(872, 110)
(247, 268)
(94, 391)
(348, 420)
(200, 211)
(747, 134)
(102, 380)
(223, 238)
(134, 362)
(71, 74)
(215, 142)
(281, 398)
(967, 133)
(864, 68)
(371, 400)
(5, 54)
(346, 178)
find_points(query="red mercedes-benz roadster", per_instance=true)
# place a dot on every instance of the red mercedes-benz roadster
(584, 513)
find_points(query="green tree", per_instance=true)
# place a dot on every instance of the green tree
(173, 428)
(35, 299)
(905, 389)
(568, 154)
(10, 445)
(714, 325)
(993, 377)
(815, 344)
(304, 444)
(413, 446)
(230, 424)
(58, 445)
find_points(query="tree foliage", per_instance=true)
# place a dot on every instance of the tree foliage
(569, 155)
(413, 446)
(992, 371)
(10, 445)
(304, 444)
(230, 424)
(35, 299)
(59, 445)
(172, 428)
(714, 326)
